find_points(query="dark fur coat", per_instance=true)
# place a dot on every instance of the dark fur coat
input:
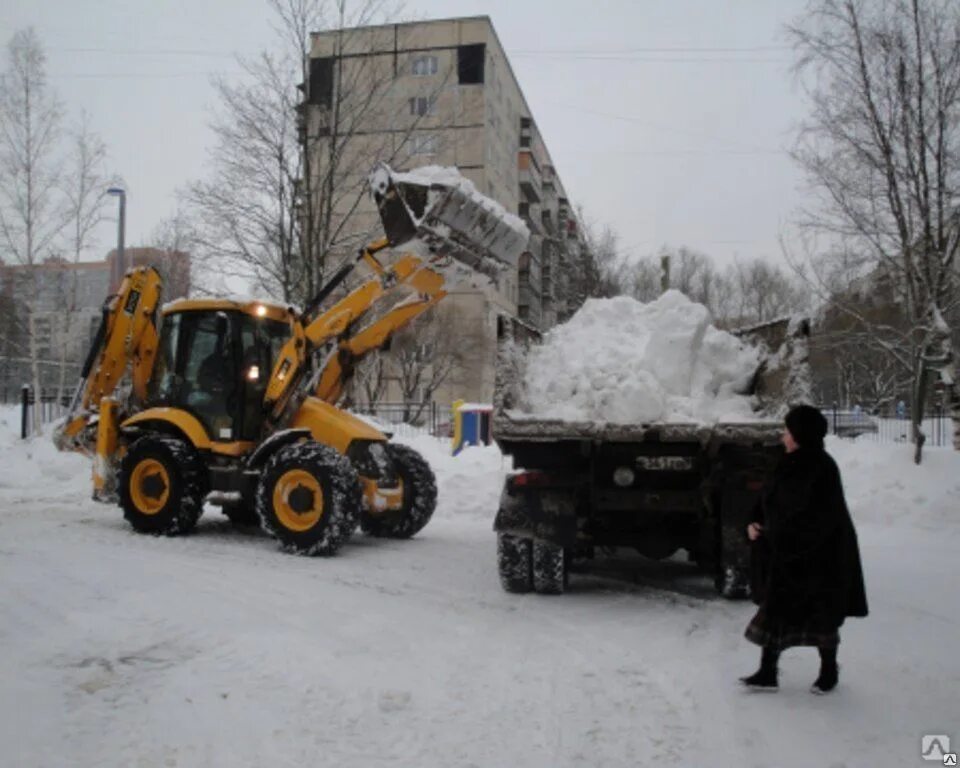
(807, 569)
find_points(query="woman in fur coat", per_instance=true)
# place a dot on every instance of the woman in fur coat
(807, 572)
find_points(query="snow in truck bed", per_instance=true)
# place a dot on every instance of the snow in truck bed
(619, 361)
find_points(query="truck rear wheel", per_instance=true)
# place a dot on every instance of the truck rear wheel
(308, 498)
(419, 497)
(514, 563)
(162, 485)
(549, 568)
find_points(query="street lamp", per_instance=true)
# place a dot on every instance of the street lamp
(118, 267)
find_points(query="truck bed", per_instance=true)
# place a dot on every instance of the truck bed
(510, 427)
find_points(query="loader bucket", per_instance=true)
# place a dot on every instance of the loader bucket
(444, 211)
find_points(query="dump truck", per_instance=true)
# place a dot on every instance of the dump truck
(583, 488)
(235, 403)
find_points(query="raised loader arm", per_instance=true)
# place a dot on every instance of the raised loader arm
(126, 339)
(449, 232)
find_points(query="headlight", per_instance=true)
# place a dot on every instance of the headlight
(623, 476)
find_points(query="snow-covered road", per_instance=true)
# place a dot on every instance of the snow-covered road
(216, 649)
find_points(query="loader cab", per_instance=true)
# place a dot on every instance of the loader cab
(214, 360)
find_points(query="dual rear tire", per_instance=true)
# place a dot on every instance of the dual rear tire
(526, 565)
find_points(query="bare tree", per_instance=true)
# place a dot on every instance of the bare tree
(247, 205)
(423, 358)
(31, 218)
(83, 186)
(370, 379)
(177, 238)
(881, 149)
(294, 145)
(765, 292)
(604, 270)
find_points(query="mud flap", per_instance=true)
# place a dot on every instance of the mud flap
(547, 515)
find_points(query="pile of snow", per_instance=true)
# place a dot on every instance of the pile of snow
(625, 362)
(884, 487)
(468, 483)
(33, 468)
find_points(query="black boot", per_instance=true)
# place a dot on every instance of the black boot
(765, 678)
(829, 672)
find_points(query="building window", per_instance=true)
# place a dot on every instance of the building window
(321, 81)
(425, 144)
(424, 65)
(470, 60)
(422, 105)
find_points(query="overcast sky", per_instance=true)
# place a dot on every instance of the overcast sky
(667, 119)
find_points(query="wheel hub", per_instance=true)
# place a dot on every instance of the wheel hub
(150, 486)
(301, 500)
(153, 486)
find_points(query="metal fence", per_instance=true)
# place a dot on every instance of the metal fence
(52, 407)
(937, 426)
(409, 418)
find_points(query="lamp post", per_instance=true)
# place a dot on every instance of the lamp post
(119, 266)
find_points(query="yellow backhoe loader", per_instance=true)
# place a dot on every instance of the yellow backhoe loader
(234, 403)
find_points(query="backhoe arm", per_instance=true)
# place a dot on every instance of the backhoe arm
(126, 339)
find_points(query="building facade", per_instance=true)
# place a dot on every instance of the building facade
(443, 93)
(51, 311)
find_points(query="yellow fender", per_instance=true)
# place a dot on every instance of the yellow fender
(331, 426)
(191, 428)
(184, 422)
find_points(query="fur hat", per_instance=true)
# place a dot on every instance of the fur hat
(807, 425)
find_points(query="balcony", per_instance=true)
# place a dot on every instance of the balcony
(531, 180)
(549, 225)
(525, 212)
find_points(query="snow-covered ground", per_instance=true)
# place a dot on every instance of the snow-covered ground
(216, 649)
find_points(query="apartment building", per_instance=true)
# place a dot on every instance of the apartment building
(443, 93)
(66, 300)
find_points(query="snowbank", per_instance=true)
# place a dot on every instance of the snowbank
(624, 362)
(469, 483)
(33, 467)
(884, 487)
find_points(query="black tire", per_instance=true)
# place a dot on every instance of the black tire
(514, 563)
(177, 486)
(335, 512)
(241, 514)
(549, 568)
(419, 497)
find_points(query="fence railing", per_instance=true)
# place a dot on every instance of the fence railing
(937, 427)
(51, 407)
(409, 418)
